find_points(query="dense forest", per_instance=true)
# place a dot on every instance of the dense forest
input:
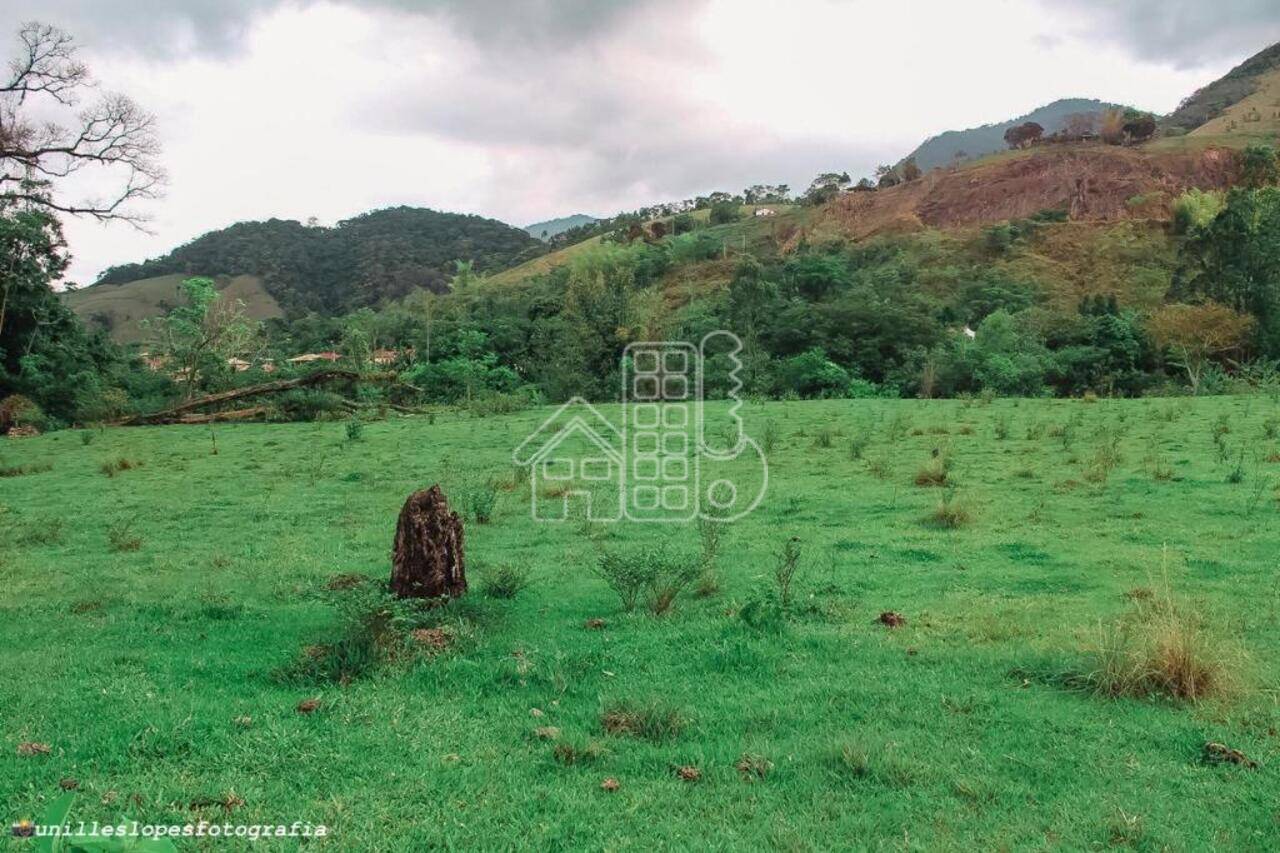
(360, 262)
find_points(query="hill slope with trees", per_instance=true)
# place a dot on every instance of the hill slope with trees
(942, 150)
(360, 262)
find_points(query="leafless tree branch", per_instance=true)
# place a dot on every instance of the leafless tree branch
(112, 134)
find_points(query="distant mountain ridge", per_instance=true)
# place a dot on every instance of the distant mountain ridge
(552, 227)
(941, 150)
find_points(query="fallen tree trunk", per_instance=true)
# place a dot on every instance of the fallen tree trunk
(216, 417)
(176, 413)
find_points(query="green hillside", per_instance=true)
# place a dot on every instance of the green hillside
(362, 261)
(942, 150)
(1211, 101)
(120, 308)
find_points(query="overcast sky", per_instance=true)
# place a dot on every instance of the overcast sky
(531, 110)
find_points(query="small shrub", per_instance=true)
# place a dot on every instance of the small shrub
(950, 513)
(355, 429)
(769, 437)
(649, 573)
(652, 720)
(763, 612)
(505, 581)
(86, 437)
(1271, 428)
(1002, 428)
(935, 474)
(1105, 458)
(787, 563)
(114, 466)
(120, 536)
(824, 438)
(366, 636)
(858, 445)
(480, 500)
(709, 536)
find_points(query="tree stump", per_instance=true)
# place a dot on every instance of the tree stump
(427, 560)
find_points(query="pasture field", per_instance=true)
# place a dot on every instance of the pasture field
(167, 607)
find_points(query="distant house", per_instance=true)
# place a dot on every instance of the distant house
(386, 357)
(766, 211)
(308, 358)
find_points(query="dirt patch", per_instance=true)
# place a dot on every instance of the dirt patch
(30, 748)
(433, 638)
(688, 773)
(308, 706)
(1220, 753)
(753, 768)
(345, 581)
(610, 785)
(595, 624)
(891, 619)
(1093, 182)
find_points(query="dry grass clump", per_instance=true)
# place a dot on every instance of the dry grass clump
(652, 720)
(936, 473)
(1163, 647)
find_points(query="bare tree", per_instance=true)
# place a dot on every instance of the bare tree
(112, 133)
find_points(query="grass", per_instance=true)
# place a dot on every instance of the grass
(172, 673)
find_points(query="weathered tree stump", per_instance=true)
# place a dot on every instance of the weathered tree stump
(427, 560)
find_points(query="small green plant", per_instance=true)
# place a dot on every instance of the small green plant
(1105, 458)
(786, 564)
(1002, 428)
(86, 437)
(366, 636)
(650, 573)
(1271, 428)
(114, 466)
(709, 537)
(480, 500)
(950, 513)
(355, 429)
(505, 581)
(769, 436)
(858, 444)
(936, 472)
(824, 437)
(121, 537)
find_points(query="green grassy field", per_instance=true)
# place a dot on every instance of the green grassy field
(150, 616)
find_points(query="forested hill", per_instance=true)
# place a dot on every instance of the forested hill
(361, 261)
(952, 145)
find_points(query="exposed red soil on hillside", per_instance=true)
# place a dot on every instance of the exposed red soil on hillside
(1092, 182)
